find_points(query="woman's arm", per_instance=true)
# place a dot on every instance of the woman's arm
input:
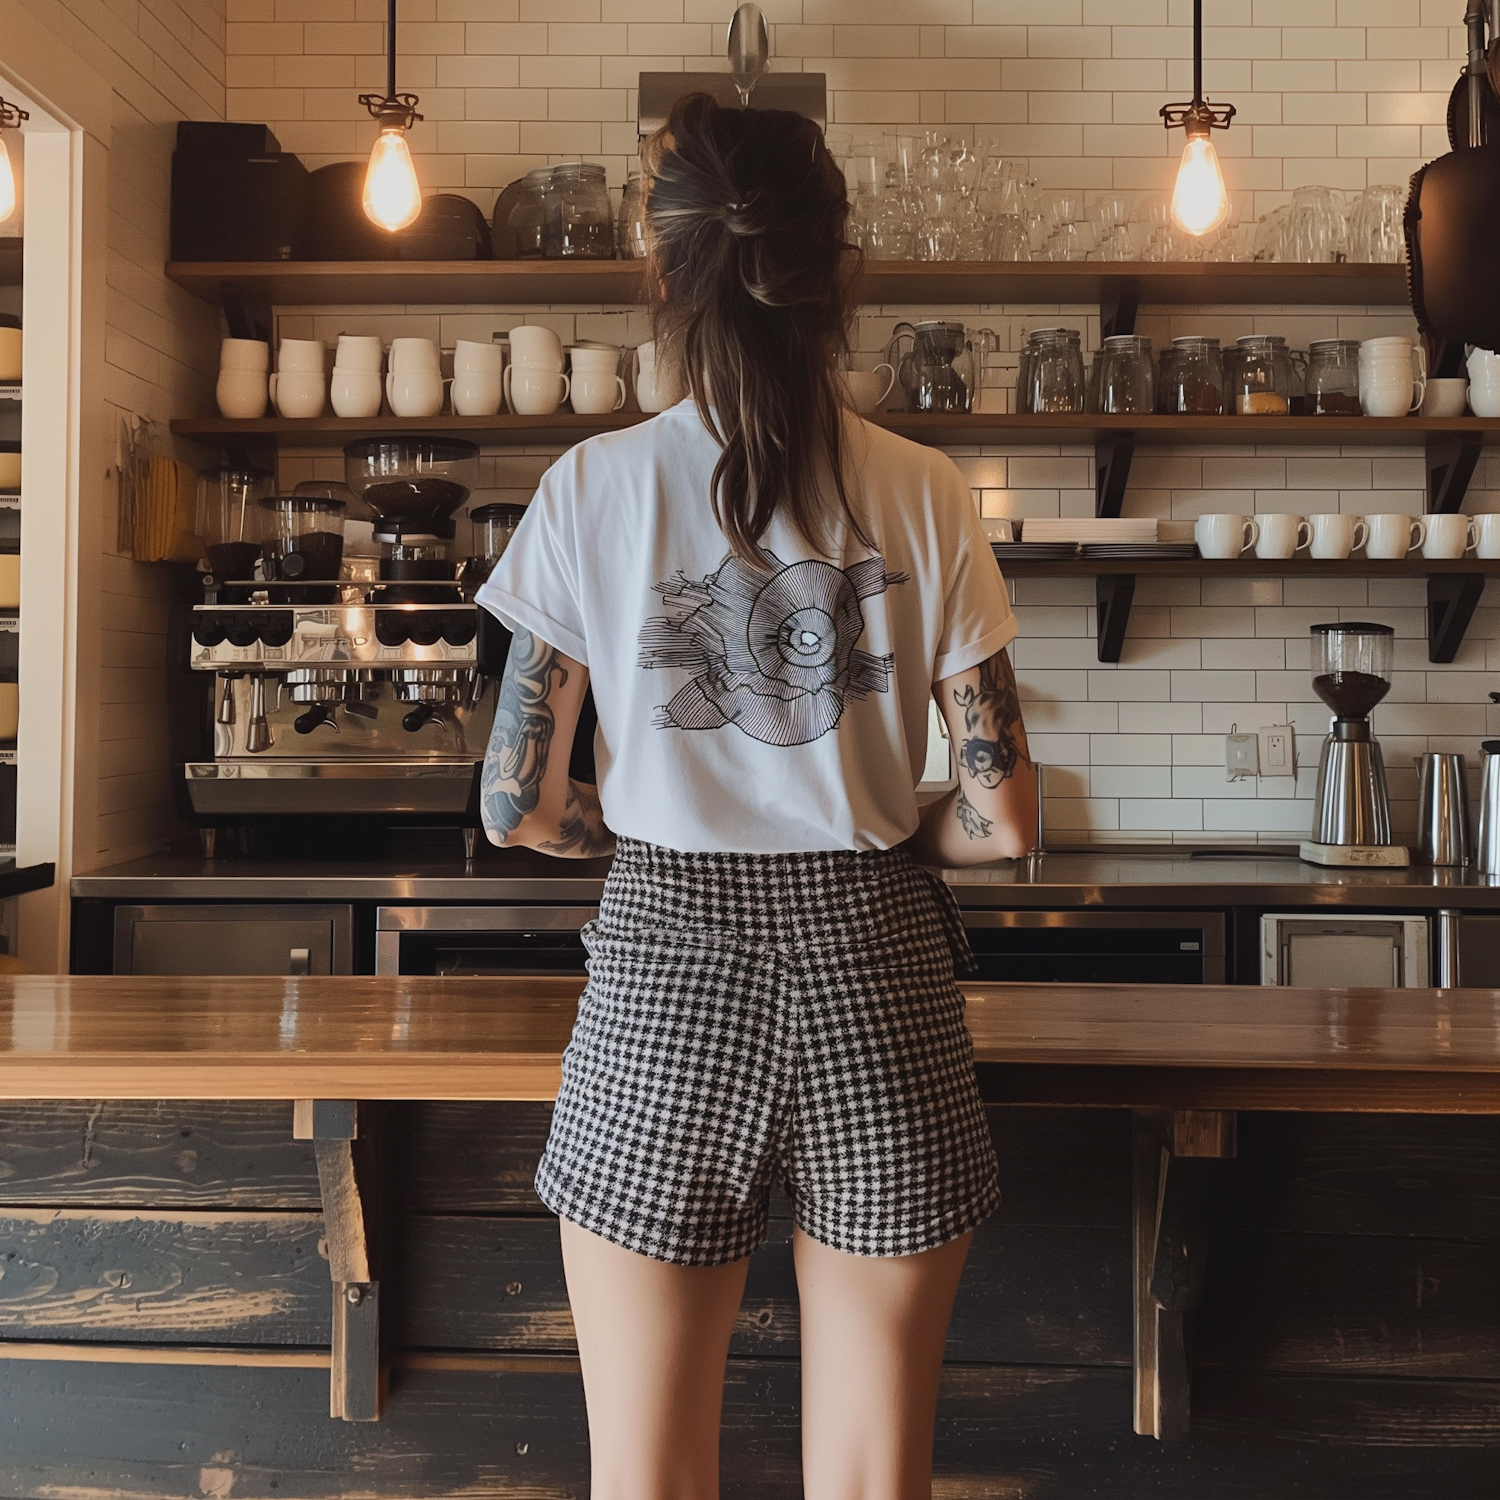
(526, 796)
(991, 813)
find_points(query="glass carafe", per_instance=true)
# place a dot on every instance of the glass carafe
(927, 372)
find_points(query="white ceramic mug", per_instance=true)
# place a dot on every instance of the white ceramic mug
(655, 390)
(1281, 535)
(476, 393)
(358, 352)
(1224, 535)
(1449, 534)
(597, 391)
(537, 347)
(645, 354)
(475, 358)
(1487, 534)
(414, 393)
(355, 393)
(242, 394)
(1335, 535)
(530, 392)
(1484, 383)
(868, 389)
(301, 356)
(244, 354)
(1390, 536)
(601, 357)
(298, 393)
(1445, 398)
(411, 356)
(1392, 377)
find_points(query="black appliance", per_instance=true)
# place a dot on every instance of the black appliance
(1082, 947)
(335, 226)
(480, 940)
(236, 195)
(450, 227)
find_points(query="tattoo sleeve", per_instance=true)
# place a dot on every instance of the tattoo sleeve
(583, 832)
(993, 744)
(511, 783)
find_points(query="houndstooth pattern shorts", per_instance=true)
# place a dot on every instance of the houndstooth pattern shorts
(751, 1016)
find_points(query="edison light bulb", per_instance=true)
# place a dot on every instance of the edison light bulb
(1199, 201)
(7, 184)
(392, 197)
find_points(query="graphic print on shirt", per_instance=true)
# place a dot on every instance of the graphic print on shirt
(775, 656)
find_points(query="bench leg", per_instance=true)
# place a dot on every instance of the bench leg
(356, 1384)
(1176, 1175)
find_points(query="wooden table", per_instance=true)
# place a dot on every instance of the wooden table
(1182, 1058)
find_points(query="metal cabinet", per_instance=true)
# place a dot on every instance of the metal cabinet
(211, 939)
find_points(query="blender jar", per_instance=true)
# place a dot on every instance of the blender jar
(230, 518)
(304, 536)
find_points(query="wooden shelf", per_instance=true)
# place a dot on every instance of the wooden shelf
(500, 282)
(1414, 566)
(935, 429)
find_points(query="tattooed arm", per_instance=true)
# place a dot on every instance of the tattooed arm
(991, 813)
(526, 796)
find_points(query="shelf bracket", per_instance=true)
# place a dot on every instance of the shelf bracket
(1451, 462)
(356, 1388)
(1451, 601)
(1177, 1175)
(1113, 594)
(1112, 456)
(1118, 306)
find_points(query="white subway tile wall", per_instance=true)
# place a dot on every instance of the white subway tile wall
(1344, 92)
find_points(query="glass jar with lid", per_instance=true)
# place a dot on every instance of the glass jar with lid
(1051, 376)
(1259, 382)
(579, 223)
(1333, 378)
(493, 526)
(1192, 377)
(1124, 376)
(630, 225)
(528, 216)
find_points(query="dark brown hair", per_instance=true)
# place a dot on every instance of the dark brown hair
(745, 217)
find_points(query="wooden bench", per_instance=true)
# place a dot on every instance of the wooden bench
(1182, 1059)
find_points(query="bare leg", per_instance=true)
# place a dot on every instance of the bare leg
(872, 1349)
(653, 1339)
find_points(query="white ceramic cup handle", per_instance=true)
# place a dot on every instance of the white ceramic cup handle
(1419, 375)
(390, 388)
(1304, 536)
(890, 384)
(505, 388)
(1251, 534)
(620, 399)
(567, 386)
(1471, 534)
(1418, 534)
(1361, 534)
(271, 386)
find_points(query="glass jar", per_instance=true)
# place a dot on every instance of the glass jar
(579, 223)
(1259, 383)
(630, 226)
(493, 526)
(529, 214)
(1192, 378)
(1051, 375)
(304, 537)
(230, 518)
(1125, 376)
(1333, 378)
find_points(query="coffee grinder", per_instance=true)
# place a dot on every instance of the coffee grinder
(1351, 664)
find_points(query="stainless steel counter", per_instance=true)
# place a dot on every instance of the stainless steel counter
(1054, 880)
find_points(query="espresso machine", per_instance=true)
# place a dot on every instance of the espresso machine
(338, 691)
(1351, 664)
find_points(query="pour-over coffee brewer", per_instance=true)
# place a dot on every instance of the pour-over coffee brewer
(1351, 664)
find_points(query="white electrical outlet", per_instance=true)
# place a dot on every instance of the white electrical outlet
(1278, 750)
(1241, 755)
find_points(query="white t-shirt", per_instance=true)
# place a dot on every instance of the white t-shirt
(764, 713)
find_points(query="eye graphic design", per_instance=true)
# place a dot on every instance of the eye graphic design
(777, 656)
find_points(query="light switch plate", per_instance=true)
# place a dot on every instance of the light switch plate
(1241, 755)
(1278, 750)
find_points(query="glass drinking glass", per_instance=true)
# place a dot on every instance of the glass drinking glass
(1051, 376)
(1126, 377)
(1315, 228)
(1377, 234)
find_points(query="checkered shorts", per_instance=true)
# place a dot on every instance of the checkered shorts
(751, 1016)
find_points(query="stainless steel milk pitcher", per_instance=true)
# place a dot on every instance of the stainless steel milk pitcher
(1442, 810)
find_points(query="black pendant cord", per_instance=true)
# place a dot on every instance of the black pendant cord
(390, 48)
(1197, 50)
(1199, 117)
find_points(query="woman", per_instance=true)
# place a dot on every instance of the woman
(765, 593)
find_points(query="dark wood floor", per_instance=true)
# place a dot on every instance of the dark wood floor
(1348, 1344)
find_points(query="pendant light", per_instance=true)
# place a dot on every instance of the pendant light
(392, 196)
(1200, 202)
(11, 116)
